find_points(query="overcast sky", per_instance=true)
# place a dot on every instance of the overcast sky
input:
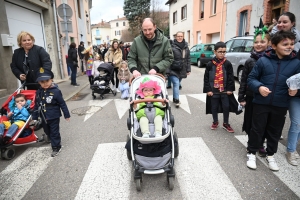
(111, 9)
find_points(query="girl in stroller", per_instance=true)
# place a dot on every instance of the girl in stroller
(150, 111)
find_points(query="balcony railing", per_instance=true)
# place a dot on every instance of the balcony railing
(98, 37)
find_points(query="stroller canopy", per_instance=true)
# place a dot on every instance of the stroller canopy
(106, 67)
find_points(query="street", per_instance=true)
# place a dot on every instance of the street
(93, 163)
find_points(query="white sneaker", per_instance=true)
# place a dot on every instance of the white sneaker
(145, 135)
(291, 158)
(272, 163)
(118, 90)
(296, 155)
(251, 162)
(158, 135)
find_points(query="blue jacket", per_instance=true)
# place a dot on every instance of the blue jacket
(22, 114)
(51, 102)
(272, 72)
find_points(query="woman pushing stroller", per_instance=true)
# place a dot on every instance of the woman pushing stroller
(150, 111)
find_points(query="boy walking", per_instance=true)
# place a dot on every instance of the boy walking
(48, 104)
(219, 85)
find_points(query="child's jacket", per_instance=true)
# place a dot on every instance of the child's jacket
(22, 114)
(51, 102)
(141, 109)
(272, 72)
(209, 77)
(124, 74)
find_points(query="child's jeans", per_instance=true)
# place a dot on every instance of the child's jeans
(12, 128)
(215, 103)
(294, 131)
(124, 88)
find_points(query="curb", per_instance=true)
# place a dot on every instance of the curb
(78, 90)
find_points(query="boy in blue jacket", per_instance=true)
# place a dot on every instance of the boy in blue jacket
(267, 80)
(18, 115)
(48, 104)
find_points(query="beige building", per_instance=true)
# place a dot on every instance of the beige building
(117, 26)
(101, 33)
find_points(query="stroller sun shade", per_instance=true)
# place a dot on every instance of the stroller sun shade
(106, 67)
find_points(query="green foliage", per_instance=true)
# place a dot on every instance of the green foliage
(135, 11)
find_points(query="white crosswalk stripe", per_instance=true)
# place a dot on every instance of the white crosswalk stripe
(287, 173)
(20, 175)
(122, 106)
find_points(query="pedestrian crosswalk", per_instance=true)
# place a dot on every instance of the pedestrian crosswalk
(110, 174)
(122, 106)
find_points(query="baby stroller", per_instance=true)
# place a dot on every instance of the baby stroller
(102, 82)
(24, 135)
(153, 155)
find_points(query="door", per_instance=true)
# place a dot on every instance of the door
(192, 54)
(24, 19)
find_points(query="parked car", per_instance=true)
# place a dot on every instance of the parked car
(202, 54)
(238, 51)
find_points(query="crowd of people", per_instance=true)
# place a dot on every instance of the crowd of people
(263, 91)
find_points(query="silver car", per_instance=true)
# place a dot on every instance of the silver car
(238, 51)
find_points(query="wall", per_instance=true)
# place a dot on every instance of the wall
(294, 8)
(184, 25)
(113, 27)
(210, 24)
(104, 32)
(232, 16)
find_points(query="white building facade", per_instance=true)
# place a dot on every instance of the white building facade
(117, 25)
(101, 33)
(181, 19)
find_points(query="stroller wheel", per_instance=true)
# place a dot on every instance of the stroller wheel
(8, 154)
(171, 182)
(138, 184)
(115, 93)
(94, 97)
(101, 97)
(129, 155)
(176, 150)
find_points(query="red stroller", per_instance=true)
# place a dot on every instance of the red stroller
(24, 135)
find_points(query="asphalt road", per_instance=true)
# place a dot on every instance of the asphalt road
(93, 163)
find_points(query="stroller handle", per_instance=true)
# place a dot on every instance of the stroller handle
(149, 100)
(157, 74)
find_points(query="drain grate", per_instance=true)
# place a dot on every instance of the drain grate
(79, 96)
(86, 110)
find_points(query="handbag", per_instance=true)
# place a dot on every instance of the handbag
(178, 65)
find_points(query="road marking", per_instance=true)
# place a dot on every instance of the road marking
(201, 97)
(108, 175)
(288, 174)
(199, 174)
(96, 106)
(18, 177)
(184, 104)
(122, 106)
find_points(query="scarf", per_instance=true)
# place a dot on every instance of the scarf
(219, 77)
(90, 62)
(180, 44)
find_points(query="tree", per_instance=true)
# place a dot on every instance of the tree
(160, 17)
(135, 11)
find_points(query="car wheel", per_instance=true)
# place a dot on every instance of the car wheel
(240, 72)
(199, 63)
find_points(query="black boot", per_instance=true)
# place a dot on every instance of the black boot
(176, 102)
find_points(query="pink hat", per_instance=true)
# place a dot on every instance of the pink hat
(147, 83)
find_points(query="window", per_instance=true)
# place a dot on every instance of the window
(248, 45)
(123, 23)
(228, 45)
(97, 32)
(72, 40)
(243, 22)
(237, 46)
(193, 49)
(183, 12)
(201, 9)
(208, 47)
(174, 17)
(213, 7)
(117, 24)
(278, 7)
(117, 32)
(79, 10)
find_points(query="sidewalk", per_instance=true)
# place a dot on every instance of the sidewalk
(66, 88)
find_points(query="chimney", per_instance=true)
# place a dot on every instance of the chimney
(118, 16)
(102, 21)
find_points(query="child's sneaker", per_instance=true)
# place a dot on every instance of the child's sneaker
(291, 158)
(214, 125)
(158, 134)
(262, 152)
(228, 128)
(296, 155)
(176, 102)
(145, 135)
(55, 152)
(251, 162)
(272, 163)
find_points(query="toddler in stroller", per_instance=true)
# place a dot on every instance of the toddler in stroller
(149, 111)
(152, 148)
(18, 115)
(102, 82)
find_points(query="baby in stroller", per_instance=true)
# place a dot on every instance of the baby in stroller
(18, 116)
(149, 112)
